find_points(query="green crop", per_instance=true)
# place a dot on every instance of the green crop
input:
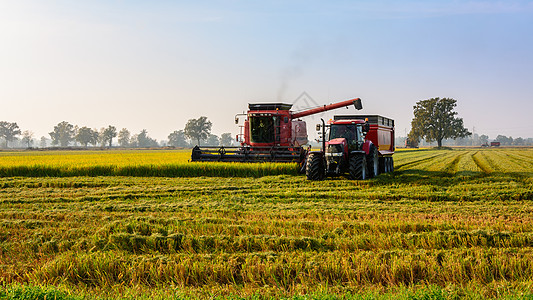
(128, 163)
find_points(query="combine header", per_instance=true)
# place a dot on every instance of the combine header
(271, 133)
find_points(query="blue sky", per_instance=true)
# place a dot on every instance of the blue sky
(156, 64)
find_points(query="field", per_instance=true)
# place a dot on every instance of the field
(447, 224)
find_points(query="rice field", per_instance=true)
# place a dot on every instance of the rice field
(155, 163)
(447, 224)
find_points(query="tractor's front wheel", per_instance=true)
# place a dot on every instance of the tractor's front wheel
(357, 167)
(315, 168)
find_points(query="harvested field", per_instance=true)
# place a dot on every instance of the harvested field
(446, 224)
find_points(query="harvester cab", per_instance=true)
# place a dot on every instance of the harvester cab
(270, 132)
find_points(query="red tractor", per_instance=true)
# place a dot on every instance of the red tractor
(358, 145)
(271, 132)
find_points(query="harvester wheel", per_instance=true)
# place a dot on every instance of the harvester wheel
(315, 169)
(372, 161)
(357, 167)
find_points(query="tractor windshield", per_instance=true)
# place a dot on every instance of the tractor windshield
(347, 131)
(262, 129)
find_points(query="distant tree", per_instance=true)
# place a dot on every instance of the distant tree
(144, 141)
(435, 121)
(484, 139)
(44, 142)
(134, 141)
(100, 139)
(504, 140)
(8, 131)
(27, 138)
(108, 134)
(86, 136)
(63, 134)
(95, 137)
(177, 139)
(212, 140)
(124, 138)
(75, 133)
(518, 141)
(198, 129)
(226, 139)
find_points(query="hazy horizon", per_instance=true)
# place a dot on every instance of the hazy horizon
(155, 65)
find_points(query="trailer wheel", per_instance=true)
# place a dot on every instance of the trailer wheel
(314, 169)
(372, 161)
(391, 164)
(386, 165)
(357, 167)
(382, 165)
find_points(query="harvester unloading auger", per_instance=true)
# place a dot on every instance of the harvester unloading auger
(271, 133)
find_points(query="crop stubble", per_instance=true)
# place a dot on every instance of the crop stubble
(461, 220)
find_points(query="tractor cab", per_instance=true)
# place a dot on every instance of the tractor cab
(351, 131)
(345, 136)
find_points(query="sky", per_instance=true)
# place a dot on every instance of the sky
(156, 64)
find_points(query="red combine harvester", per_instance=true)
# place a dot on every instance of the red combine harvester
(271, 133)
(359, 145)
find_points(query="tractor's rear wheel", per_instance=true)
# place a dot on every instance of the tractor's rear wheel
(357, 168)
(372, 161)
(315, 169)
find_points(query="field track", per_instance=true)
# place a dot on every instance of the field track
(447, 224)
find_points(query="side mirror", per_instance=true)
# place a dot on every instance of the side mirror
(236, 120)
(366, 127)
(318, 127)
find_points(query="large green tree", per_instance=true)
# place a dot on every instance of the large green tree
(8, 131)
(63, 134)
(435, 120)
(198, 129)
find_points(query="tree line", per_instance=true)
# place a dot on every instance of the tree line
(64, 134)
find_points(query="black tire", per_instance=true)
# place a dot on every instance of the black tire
(382, 165)
(391, 164)
(314, 169)
(357, 167)
(372, 162)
